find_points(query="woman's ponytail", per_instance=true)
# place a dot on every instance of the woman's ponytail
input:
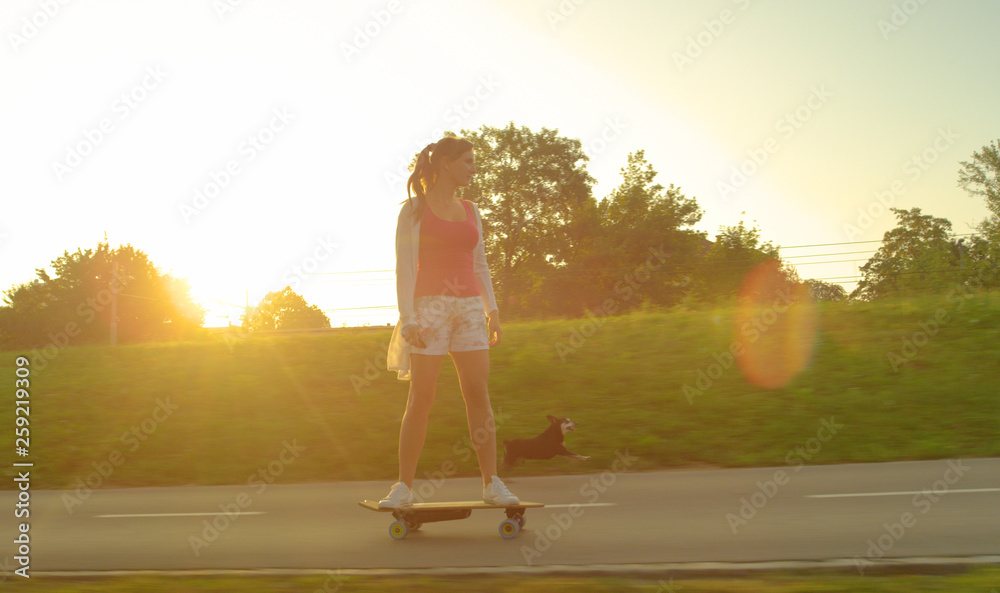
(425, 170)
(420, 181)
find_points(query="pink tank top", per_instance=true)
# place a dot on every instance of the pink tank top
(444, 264)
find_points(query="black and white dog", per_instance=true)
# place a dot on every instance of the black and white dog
(544, 446)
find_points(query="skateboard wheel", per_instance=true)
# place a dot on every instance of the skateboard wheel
(397, 530)
(509, 528)
(520, 520)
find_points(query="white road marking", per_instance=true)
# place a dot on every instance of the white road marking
(903, 493)
(178, 514)
(581, 504)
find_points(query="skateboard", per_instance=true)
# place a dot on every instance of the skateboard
(411, 517)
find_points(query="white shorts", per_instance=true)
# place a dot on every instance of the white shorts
(450, 324)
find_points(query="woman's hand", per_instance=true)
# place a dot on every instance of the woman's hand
(493, 330)
(413, 336)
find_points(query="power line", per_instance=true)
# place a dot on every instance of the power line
(839, 261)
(831, 254)
(588, 273)
(676, 265)
(856, 242)
(135, 296)
(350, 272)
(828, 244)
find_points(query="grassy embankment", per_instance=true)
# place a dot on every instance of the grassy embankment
(214, 412)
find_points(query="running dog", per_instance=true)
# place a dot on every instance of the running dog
(544, 446)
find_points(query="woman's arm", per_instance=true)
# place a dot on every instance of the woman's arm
(406, 277)
(481, 269)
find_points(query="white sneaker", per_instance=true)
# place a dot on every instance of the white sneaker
(497, 493)
(399, 496)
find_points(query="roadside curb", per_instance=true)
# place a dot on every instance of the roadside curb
(919, 565)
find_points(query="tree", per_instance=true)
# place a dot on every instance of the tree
(736, 251)
(825, 291)
(644, 223)
(535, 193)
(75, 305)
(917, 256)
(978, 259)
(284, 309)
(30, 314)
(981, 177)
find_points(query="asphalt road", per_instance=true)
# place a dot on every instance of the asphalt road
(862, 512)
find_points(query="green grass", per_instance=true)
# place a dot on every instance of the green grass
(237, 403)
(980, 580)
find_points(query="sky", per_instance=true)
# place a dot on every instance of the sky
(249, 145)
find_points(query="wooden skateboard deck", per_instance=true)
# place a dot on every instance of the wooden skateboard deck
(411, 517)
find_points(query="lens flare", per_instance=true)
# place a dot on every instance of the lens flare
(775, 327)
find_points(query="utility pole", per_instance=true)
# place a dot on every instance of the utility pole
(114, 309)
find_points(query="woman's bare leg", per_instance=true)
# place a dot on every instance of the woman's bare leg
(473, 375)
(424, 370)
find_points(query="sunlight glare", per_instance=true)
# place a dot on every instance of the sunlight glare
(775, 325)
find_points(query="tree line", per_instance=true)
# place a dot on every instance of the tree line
(554, 249)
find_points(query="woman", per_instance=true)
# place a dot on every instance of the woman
(443, 287)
